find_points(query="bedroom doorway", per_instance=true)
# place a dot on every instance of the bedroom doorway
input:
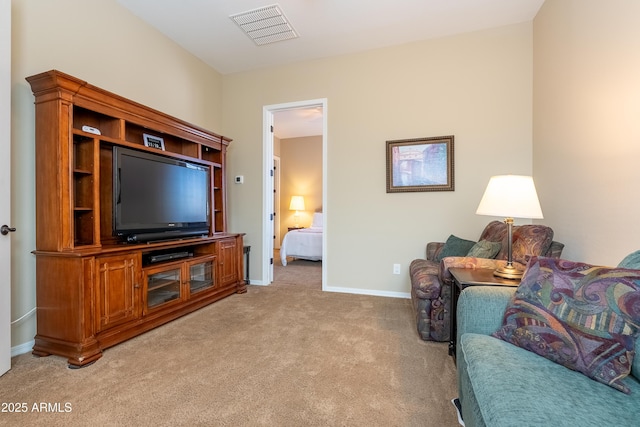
(269, 184)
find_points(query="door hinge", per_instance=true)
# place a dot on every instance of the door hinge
(271, 128)
(271, 261)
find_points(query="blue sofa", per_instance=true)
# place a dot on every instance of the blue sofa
(500, 384)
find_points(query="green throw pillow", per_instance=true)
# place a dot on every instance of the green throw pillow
(485, 249)
(455, 246)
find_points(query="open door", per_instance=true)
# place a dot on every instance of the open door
(277, 237)
(267, 197)
(5, 185)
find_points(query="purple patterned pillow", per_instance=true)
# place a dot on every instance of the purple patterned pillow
(581, 316)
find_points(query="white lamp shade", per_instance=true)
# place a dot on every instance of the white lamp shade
(511, 196)
(297, 203)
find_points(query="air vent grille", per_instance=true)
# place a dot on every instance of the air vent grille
(265, 25)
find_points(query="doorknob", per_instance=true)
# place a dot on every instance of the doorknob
(5, 229)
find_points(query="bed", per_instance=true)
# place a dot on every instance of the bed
(305, 243)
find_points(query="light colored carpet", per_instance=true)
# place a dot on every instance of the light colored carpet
(281, 355)
(301, 272)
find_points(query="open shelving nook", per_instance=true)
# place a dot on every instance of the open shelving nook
(93, 290)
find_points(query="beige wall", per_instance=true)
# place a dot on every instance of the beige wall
(301, 175)
(476, 86)
(586, 134)
(580, 129)
(107, 46)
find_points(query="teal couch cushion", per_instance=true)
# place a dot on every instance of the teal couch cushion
(631, 261)
(509, 386)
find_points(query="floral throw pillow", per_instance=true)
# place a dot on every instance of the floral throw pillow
(581, 316)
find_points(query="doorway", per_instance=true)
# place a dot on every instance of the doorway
(269, 182)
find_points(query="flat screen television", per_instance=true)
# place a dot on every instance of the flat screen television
(157, 197)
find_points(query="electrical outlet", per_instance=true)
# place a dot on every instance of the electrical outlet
(396, 268)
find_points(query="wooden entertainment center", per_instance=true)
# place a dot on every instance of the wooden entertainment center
(93, 289)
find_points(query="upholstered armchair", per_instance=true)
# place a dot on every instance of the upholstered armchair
(431, 280)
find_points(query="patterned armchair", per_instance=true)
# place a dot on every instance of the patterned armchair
(431, 280)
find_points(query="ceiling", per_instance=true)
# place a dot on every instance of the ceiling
(296, 123)
(324, 27)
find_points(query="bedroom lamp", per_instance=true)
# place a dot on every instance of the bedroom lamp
(510, 196)
(297, 204)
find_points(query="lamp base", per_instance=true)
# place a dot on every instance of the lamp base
(508, 272)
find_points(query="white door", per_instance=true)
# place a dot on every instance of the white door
(267, 201)
(276, 202)
(5, 177)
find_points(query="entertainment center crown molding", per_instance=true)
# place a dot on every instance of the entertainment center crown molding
(95, 289)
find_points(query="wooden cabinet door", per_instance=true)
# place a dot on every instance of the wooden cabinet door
(228, 264)
(118, 293)
(201, 275)
(163, 285)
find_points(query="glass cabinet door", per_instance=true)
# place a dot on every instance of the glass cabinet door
(201, 275)
(163, 286)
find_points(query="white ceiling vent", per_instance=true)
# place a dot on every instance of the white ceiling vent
(265, 25)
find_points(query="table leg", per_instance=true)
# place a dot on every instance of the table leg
(452, 320)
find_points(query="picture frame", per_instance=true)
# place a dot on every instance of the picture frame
(420, 164)
(153, 141)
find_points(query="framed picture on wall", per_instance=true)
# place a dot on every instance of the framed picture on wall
(420, 164)
(153, 141)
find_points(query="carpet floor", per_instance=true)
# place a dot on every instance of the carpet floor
(287, 354)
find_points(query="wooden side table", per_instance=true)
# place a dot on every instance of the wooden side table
(464, 277)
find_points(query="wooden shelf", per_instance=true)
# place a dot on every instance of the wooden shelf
(92, 289)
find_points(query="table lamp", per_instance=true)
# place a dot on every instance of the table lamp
(510, 196)
(297, 204)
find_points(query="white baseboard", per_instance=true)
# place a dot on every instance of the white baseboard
(22, 348)
(371, 292)
(343, 290)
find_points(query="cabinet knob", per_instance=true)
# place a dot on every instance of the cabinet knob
(136, 286)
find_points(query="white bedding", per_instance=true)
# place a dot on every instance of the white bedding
(305, 243)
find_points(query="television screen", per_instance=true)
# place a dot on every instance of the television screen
(157, 194)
